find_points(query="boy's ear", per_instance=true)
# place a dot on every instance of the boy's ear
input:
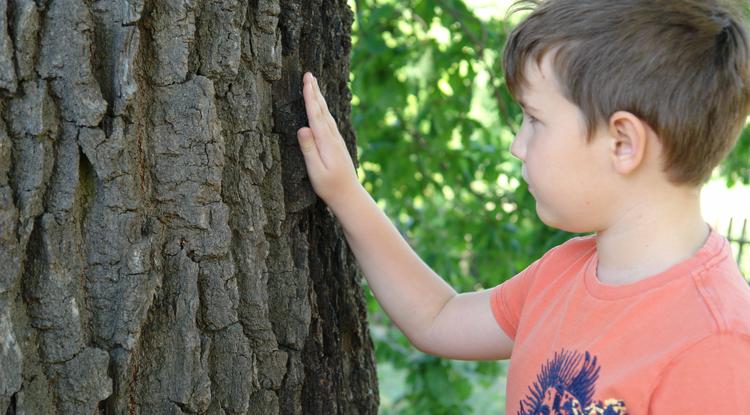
(629, 137)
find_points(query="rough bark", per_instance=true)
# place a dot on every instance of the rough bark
(161, 250)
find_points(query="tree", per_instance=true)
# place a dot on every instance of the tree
(161, 250)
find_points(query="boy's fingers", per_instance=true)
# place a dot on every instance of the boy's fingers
(311, 104)
(314, 116)
(320, 105)
(329, 120)
(310, 150)
(325, 113)
(321, 121)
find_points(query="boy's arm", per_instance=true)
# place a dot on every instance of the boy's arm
(426, 309)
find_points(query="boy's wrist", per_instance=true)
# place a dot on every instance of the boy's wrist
(347, 198)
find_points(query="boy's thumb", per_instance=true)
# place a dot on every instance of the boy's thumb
(309, 149)
(306, 140)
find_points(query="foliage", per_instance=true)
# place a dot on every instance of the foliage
(434, 122)
(736, 168)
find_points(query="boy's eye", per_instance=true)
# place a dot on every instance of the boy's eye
(530, 118)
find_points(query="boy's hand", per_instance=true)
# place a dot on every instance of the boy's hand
(329, 165)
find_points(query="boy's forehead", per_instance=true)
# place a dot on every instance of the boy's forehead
(539, 77)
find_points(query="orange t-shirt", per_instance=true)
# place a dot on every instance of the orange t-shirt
(675, 343)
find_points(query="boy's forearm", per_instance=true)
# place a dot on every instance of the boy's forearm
(408, 290)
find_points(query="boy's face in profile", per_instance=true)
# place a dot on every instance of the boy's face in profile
(569, 177)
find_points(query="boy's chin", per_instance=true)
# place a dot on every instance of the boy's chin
(547, 217)
(556, 221)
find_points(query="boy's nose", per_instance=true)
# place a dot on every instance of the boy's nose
(518, 148)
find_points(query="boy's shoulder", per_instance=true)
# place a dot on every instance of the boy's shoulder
(578, 243)
(563, 261)
(725, 292)
(571, 250)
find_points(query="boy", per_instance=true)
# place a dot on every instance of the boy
(628, 106)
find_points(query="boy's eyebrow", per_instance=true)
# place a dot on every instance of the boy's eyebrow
(526, 106)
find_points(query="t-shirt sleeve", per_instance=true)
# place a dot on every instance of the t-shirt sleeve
(507, 299)
(712, 377)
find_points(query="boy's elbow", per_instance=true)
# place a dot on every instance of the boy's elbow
(419, 342)
(424, 347)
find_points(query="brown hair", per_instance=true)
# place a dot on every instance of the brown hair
(681, 66)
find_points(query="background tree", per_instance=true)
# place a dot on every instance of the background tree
(434, 122)
(160, 248)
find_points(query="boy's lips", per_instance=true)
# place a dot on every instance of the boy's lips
(525, 176)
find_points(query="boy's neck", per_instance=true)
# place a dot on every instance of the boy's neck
(649, 238)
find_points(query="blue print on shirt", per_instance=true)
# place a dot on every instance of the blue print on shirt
(565, 386)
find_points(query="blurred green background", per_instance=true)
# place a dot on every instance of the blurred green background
(434, 122)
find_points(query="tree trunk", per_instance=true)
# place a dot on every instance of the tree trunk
(161, 250)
